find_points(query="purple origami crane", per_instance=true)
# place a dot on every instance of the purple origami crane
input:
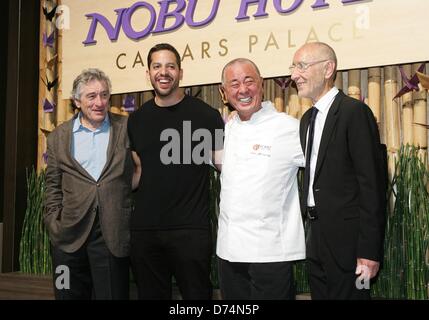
(48, 41)
(45, 157)
(129, 103)
(48, 106)
(410, 84)
(283, 82)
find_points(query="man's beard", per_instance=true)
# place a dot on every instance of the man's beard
(163, 93)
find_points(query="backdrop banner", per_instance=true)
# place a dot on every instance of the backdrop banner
(116, 35)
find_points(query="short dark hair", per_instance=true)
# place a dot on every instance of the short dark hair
(163, 46)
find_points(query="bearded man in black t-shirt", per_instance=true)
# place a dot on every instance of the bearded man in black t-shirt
(174, 138)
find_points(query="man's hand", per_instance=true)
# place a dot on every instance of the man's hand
(367, 269)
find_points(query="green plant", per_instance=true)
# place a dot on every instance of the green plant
(405, 274)
(34, 253)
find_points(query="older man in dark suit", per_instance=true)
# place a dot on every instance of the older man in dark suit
(88, 196)
(344, 187)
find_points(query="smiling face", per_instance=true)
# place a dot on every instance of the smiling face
(243, 88)
(317, 78)
(94, 103)
(164, 74)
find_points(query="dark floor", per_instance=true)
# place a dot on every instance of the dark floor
(19, 286)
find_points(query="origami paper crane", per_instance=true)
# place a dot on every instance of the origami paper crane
(48, 106)
(50, 84)
(48, 41)
(129, 103)
(410, 84)
(51, 14)
(45, 157)
(283, 82)
(424, 80)
(51, 63)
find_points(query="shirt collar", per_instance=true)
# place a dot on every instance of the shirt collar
(77, 124)
(325, 102)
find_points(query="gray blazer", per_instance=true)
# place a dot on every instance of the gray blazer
(73, 196)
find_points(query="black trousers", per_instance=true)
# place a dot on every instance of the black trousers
(329, 280)
(158, 255)
(256, 281)
(93, 272)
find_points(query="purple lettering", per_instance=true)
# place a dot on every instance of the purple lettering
(126, 22)
(191, 10)
(112, 32)
(350, 1)
(242, 14)
(320, 4)
(163, 14)
(293, 7)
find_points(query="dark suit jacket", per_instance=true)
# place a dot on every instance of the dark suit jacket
(73, 196)
(349, 186)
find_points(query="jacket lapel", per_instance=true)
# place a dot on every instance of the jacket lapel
(329, 127)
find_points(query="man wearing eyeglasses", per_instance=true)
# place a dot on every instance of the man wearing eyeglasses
(344, 190)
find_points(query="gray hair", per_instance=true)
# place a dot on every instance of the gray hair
(87, 76)
(239, 60)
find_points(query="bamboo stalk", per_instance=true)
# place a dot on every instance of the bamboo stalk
(147, 95)
(217, 103)
(44, 120)
(266, 90)
(279, 98)
(420, 114)
(294, 103)
(205, 94)
(339, 80)
(374, 93)
(64, 109)
(354, 84)
(306, 104)
(407, 112)
(392, 122)
(273, 86)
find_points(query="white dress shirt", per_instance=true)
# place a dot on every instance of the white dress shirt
(260, 218)
(323, 105)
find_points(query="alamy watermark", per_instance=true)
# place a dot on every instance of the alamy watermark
(181, 149)
(363, 280)
(62, 282)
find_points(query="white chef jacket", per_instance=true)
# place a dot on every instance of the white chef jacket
(260, 218)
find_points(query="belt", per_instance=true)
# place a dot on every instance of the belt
(312, 213)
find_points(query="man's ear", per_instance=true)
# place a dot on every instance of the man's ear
(223, 95)
(224, 98)
(330, 69)
(76, 104)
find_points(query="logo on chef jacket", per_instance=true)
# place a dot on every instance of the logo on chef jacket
(261, 150)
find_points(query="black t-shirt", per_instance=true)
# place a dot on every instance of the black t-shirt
(170, 141)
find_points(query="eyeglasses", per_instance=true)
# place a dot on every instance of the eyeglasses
(302, 66)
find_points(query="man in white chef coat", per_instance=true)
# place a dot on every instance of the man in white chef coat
(260, 225)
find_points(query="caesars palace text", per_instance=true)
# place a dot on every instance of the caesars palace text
(254, 43)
